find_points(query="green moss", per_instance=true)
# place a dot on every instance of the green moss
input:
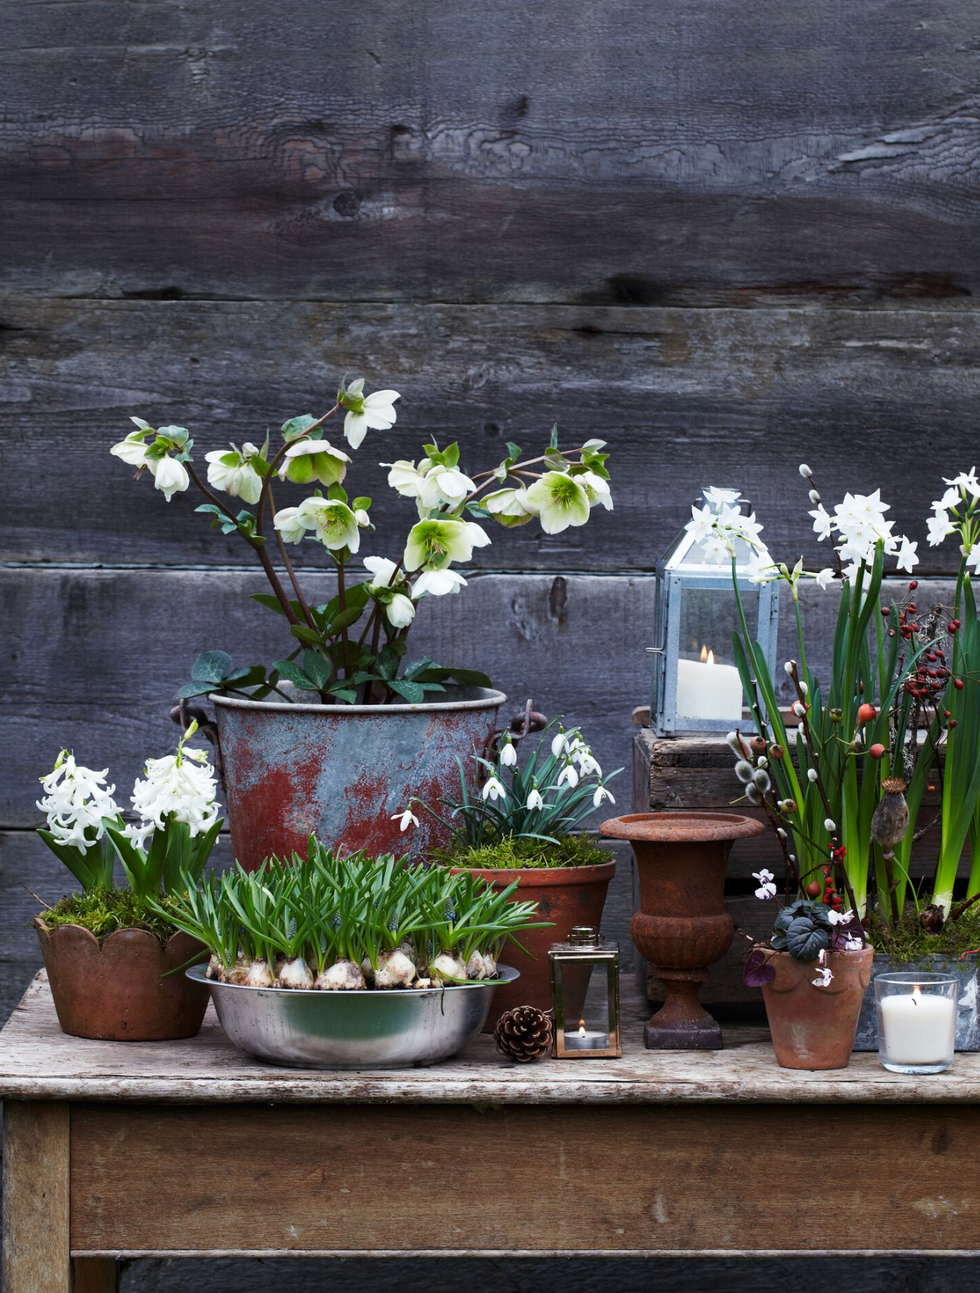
(103, 911)
(519, 852)
(908, 940)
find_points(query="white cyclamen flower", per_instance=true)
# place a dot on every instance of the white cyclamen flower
(382, 571)
(494, 790)
(853, 945)
(840, 917)
(767, 883)
(405, 819)
(437, 583)
(508, 755)
(75, 801)
(179, 786)
(291, 528)
(230, 470)
(169, 476)
(509, 506)
(559, 501)
(534, 800)
(366, 412)
(824, 978)
(400, 611)
(602, 793)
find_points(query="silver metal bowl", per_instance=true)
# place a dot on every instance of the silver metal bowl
(372, 1029)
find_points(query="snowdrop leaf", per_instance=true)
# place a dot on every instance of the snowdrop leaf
(211, 666)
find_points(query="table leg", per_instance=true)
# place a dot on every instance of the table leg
(36, 1242)
(95, 1275)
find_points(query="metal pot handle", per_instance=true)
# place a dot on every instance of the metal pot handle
(183, 715)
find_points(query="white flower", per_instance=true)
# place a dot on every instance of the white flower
(767, 884)
(717, 532)
(601, 793)
(132, 450)
(406, 478)
(760, 567)
(362, 518)
(587, 762)
(335, 524)
(311, 460)
(437, 542)
(829, 825)
(822, 524)
(534, 800)
(840, 917)
(366, 412)
(405, 819)
(509, 506)
(559, 501)
(508, 755)
(853, 945)
(437, 583)
(559, 743)
(232, 471)
(382, 571)
(824, 978)
(75, 801)
(906, 558)
(824, 577)
(718, 497)
(444, 485)
(939, 526)
(291, 528)
(973, 557)
(597, 489)
(180, 787)
(966, 482)
(400, 611)
(169, 476)
(494, 790)
(568, 775)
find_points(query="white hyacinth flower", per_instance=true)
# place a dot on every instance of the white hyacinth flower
(180, 787)
(75, 801)
(365, 413)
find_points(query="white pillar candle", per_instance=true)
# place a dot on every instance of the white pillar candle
(708, 690)
(918, 1029)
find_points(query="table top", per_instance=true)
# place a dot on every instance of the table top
(40, 1062)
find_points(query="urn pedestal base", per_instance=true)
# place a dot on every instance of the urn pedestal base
(682, 1023)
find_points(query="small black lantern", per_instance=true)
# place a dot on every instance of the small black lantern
(585, 995)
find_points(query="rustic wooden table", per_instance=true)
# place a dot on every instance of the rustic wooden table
(189, 1149)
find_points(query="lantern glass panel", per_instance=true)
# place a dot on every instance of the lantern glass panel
(585, 990)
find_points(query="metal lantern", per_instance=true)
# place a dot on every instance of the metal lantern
(585, 995)
(696, 686)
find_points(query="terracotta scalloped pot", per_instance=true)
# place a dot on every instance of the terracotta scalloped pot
(567, 896)
(814, 1028)
(114, 991)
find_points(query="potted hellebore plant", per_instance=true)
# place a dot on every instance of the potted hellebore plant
(335, 735)
(843, 776)
(514, 822)
(113, 955)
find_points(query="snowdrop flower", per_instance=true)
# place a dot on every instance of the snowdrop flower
(382, 572)
(559, 501)
(366, 412)
(534, 800)
(311, 460)
(169, 476)
(824, 978)
(811, 774)
(560, 743)
(494, 790)
(601, 793)
(405, 819)
(586, 760)
(291, 528)
(444, 485)
(335, 524)
(405, 478)
(508, 755)
(569, 776)
(435, 543)
(906, 559)
(824, 578)
(180, 787)
(75, 801)
(509, 506)
(840, 917)
(231, 470)
(829, 825)
(767, 884)
(939, 526)
(400, 611)
(597, 489)
(437, 583)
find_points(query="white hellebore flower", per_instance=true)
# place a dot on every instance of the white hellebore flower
(75, 800)
(437, 583)
(824, 978)
(534, 800)
(291, 528)
(366, 412)
(508, 755)
(132, 450)
(335, 524)
(559, 501)
(405, 819)
(400, 611)
(597, 489)
(767, 883)
(602, 793)
(382, 570)
(169, 476)
(444, 485)
(231, 470)
(494, 790)
(179, 786)
(435, 543)
(405, 478)
(311, 460)
(509, 506)
(362, 518)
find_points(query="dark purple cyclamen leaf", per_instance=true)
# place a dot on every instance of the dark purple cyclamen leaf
(759, 969)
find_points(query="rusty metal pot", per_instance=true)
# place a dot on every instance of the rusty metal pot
(682, 927)
(566, 896)
(344, 771)
(811, 1027)
(114, 991)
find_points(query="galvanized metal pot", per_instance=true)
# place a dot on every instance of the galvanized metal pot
(115, 991)
(344, 771)
(967, 1005)
(813, 1027)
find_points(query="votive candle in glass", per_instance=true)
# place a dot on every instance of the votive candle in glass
(916, 1021)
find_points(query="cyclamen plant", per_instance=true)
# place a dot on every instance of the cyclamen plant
(352, 646)
(807, 930)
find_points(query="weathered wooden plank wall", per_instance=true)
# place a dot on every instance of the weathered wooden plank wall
(723, 237)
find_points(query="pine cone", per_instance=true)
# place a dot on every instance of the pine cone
(524, 1033)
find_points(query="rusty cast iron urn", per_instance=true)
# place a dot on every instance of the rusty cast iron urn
(682, 926)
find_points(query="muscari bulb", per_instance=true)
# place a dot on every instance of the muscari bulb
(259, 974)
(239, 971)
(743, 770)
(446, 967)
(295, 973)
(342, 976)
(481, 965)
(395, 970)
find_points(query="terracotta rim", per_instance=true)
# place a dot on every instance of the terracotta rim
(480, 698)
(681, 827)
(541, 876)
(129, 931)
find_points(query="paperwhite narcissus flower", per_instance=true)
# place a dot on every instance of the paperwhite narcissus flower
(374, 412)
(718, 531)
(824, 978)
(400, 611)
(382, 570)
(313, 460)
(335, 524)
(509, 506)
(405, 819)
(435, 543)
(822, 524)
(494, 790)
(906, 558)
(290, 527)
(444, 485)
(534, 800)
(179, 786)
(169, 476)
(508, 755)
(437, 583)
(601, 793)
(718, 498)
(767, 884)
(939, 526)
(966, 483)
(231, 471)
(559, 501)
(824, 577)
(75, 801)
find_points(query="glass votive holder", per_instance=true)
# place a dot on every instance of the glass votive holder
(916, 1021)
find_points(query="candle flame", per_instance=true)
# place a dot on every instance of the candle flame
(707, 657)
(581, 1028)
(916, 994)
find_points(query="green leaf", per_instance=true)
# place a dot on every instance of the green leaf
(297, 426)
(555, 461)
(344, 619)
(273, 603)
(318, 668)
(514, 451)
(306, 634)
(294, 674)
(554, 436)
(360, 504)
(338, 493)
(413, 692)
(346, 694)
(190, 689)
(211, 666)
(450, 455)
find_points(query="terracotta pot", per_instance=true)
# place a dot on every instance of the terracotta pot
(344, 771)
(682, 926)
(114, 992)
(814, 1028)
(567, 896)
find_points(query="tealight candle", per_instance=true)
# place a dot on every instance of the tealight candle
(916, 1021)
(708, 690)
(584, 1040)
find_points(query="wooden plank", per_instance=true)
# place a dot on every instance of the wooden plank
(655, 1179)
(35, 1198)
(740, 395)
(420, 151)
(95, 1275)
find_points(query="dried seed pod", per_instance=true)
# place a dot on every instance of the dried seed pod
(891, 819)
